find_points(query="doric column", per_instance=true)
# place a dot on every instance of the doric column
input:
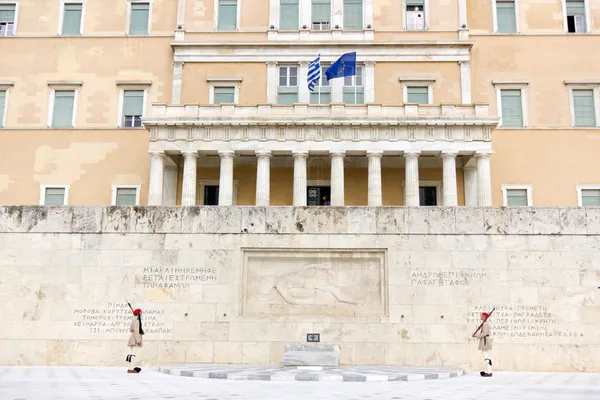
(300, 158)
(263, 178)
(303, 92)
(470, 183)
(337, 178)
(369, 82)
(170, 186)
(411, 180)
(188, 191)
(465, 81)
(484, 184)
(375, 196)
(177, 82)
(157, 170)
(226, 178)
(449, 173)
(272, 81)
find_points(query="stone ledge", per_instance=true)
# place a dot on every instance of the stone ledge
(303, 220)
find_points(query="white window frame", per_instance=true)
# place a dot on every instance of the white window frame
(5, 87)
(53, 87)
(17, 4)
(406, 83)
(584, 86)
(580, 188)
(522, 86)
(308, 6)
(128, 18)
(506, 188)
(203, 183)
(43, 192)
(235, 83)
(237, 19)
(114, 188)
(61, 16)
(495, 17)
(145, 86)
(588, 16)
(426, 9)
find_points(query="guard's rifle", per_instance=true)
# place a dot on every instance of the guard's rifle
(480, 325)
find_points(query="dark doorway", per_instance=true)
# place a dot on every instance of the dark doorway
(211, 195)
(318, 195)
(428, 195)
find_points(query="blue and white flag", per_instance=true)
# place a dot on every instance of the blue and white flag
(314, 72)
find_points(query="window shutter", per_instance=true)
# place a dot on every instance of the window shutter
(54, 197)
(62, 115)
(354, 95)
(321, 11)
(287, 95)
(227, 15)
(2, 104)
(126, 197)
(133, 103)
(224, 95)
(506, 17)
(321, 95)
(512, 111)
(7, 13)
(417, 94)
(72, 19)
(575, 8)
(353, 14)
(590, 197)
(139, 18)
(415, 3)
(289, 15)
(584, 107)
(516, 197)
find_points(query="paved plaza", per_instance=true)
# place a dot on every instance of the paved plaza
(83, 383)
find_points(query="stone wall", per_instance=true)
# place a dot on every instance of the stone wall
(236, 284)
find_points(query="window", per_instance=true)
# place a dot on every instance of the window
(353, 14)
(289, 14)
(584, 107)
(208, 192)
(287, 92)
(133, 108)
(511, 105)
(318, 195)
(125, 195)
(321, 15)
(228, 11)
(54, 195)
(576, 16)
(139, 18)
(354, 91)
(3, 102)
(428, 195)
(7, 19)
(211, 195)
(224, 95)
(415, 14)
(417, 94)
(517, 195)
(321, 93)
(588, 195)
(506, 16)
(63, 109)
(71, 18)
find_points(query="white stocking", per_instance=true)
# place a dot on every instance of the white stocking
(132, 353)
(487, 361)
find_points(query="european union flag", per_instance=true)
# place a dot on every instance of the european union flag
(344, 66)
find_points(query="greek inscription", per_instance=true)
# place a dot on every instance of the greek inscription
(176, 278)
(116, 318)
(446, 278)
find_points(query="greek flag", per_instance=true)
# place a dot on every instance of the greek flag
(314, 72)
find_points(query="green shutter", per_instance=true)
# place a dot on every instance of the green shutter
(289, 15)
(584, 107)
(320, 95)
(417, 94)
(353, 14)
(512, 110)
(224, 95)
(516, 197)
(354, 95)
(575, 8)
(419, 3)
(139, 18)
(62, 115)
(2, 106)
(72, 19)
(227, 15)
(287, 95)
(506, 17)
(126, 197)
(54, 197)
(7, 13)
(590, 197)
(133, 103)
(321, 10)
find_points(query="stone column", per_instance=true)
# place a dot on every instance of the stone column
(188, 191)
(449, 173)
(484, 185)
(337, 178)
(375, 196)
(170, 186)
(300, 158)
(465, 81)
(177, 82)
(303, 92)
(470, 183)
(157, 170)
(411, 180)
(226, 178)
(263, 178)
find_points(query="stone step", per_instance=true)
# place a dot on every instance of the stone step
(317, 355)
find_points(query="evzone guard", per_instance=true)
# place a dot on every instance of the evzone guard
(135, 339)
(483, 333)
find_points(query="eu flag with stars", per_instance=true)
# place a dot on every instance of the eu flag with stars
(344, 66)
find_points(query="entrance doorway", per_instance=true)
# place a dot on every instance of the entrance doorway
(318, 195)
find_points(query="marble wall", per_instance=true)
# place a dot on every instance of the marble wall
(236, 284)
